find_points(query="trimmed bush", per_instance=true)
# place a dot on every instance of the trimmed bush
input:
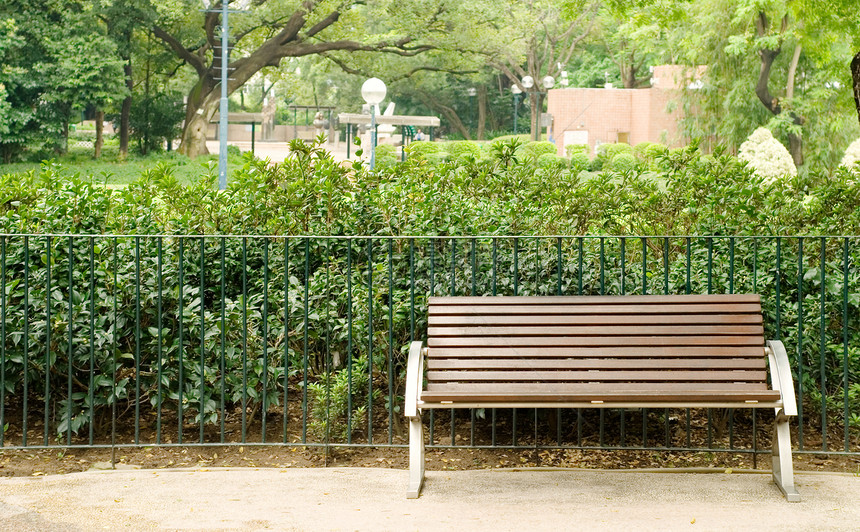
(550, 160)
(535, 149)
(622, 162)
(852, 155)
(386, 155)
(422, 148)
(578, 161)
(767, 156)
(573, 149)
(459, 148)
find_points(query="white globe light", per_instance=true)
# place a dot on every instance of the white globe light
(528, 82)
(516, 89)
(548, 82)
(373, 91)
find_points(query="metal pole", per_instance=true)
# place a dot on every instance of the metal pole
(253, 135)
(516, 109)
(222, 128)
(372, 136)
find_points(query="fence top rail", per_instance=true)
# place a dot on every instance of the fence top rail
(435, 237)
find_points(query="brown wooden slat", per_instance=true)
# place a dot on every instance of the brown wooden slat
(483, 309)
(560, 396)
(583, 352)
(593, 341)
(589, 300)
(537, 376)
(605, 330)
(605, 387)
(596, 319)
(596, 363)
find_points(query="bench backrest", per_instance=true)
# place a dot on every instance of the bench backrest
(699, 348)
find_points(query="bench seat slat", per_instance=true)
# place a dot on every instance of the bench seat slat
(560, 396)
(572, 310)
(595, 363)
(607, 330)
(593, 341)
(589, 300)
(537, 318)
(538, 376)
(756, 351)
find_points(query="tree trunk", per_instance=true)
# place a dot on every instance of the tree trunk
(855, 76)
(534, 105)
(795, 147)
(125, 111)
(203, 102)
(482, 113)
(100, 139)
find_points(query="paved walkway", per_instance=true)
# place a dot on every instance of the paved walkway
(373, 499)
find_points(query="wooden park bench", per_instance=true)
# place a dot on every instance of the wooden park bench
(684, 351)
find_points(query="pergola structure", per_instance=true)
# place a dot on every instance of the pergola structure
(404, 121)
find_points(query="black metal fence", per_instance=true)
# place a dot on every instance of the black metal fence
(220, 340)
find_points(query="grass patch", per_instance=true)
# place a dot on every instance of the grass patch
(112, 170)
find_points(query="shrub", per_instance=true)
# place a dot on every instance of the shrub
(420, 149)
(622, 162)
(386, 155)
(460, 148)
(535, 149)
(852, 155)
(579, 161)
(572, 149)
(767, 156)
(550, 160)
(438, 157)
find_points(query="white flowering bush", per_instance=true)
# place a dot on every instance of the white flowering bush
(852, 155)
(767, 155)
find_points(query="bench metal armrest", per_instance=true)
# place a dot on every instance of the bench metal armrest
(414, 378)
(780, 376)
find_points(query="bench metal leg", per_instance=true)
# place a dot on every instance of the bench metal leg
(783, 470)
(416, 457)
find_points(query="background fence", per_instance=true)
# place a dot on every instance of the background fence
(221, 340)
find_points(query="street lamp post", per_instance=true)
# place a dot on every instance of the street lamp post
(472, 91)
(516, 91)
(224, 108)
(528, 83)
(373, 91)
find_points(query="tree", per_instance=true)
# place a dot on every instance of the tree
(273, 31)
(542, 39)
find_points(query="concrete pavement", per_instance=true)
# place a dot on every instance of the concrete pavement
(373, 499)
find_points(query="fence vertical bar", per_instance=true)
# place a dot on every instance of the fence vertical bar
(244, 414)
(91, 383)
(305, 342)
(2, 339)
(432, 293)
(602, 428)
(731, 265)
(222, 365)
(822, 349)
(327, 361)
(516, 292)
(623, 245)
(453, 292)
(49, 321)
(369, 340)
(800, 343)
(265, 341)
(579, 268)
(390, 342)
(495, 292)
(558, 430)
(349, 340)
(845, 412)
(71, 351)
(474, 258)
(136, 338)
(688, 256)
(666, 266)
(644, 291)
(411, 290)
(181, 303)
(778, 281)
(202, 404)
(113, 354)
(26, 346)
(160, 327)
(286, 410)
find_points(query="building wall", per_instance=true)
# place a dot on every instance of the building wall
(620, 115)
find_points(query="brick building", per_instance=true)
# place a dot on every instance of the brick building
(598, 116)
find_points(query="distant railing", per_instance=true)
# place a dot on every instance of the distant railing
(222, 340)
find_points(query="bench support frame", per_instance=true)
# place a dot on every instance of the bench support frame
(780, 372)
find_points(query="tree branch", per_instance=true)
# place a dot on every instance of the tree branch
(174, 44)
